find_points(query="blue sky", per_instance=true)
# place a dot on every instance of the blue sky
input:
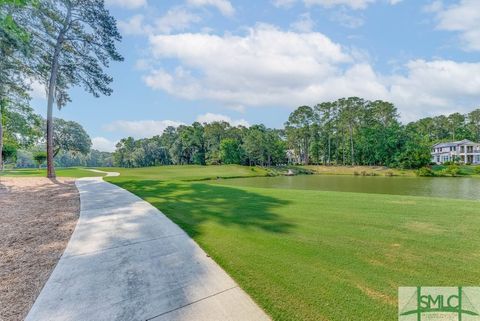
(255, 61)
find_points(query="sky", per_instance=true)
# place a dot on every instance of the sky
(250, 62)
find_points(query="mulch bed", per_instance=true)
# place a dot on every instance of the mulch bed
(37, 218)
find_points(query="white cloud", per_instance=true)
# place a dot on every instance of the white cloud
(283, 3)
(271, 67)
(175, 19)
(434, 87)
(103, 144)
(140, 128)
(434, 6)
(346, 19)
(267, 66)
(352, 4)
(224, 6)
(304, 23)
(133, 26)
(129, 4)
(37, 90)
(463, 17)
(210, 118)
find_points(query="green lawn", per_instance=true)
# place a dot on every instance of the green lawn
(187, 172)
(61, 172)
(311, 255)
(464, 169)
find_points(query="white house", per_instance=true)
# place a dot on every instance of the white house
(463, 151)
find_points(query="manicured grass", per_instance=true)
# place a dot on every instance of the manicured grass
(187, 172)
(311, 255)
(61, 172)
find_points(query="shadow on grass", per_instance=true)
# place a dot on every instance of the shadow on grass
(192, 205)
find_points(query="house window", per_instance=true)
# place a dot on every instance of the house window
(438, 159)
(469, 149)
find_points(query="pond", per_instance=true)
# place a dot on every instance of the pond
(459, 187)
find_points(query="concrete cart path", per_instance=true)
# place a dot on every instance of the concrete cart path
(103, 172)
(127, 261)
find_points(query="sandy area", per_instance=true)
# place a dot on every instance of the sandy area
(37, 217)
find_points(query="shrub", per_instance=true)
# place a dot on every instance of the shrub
(453, 170)
(389, 173)
(425, 172)
(40, 158)
(477, 169)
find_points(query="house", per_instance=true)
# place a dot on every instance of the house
(464, 151)
(292, 157)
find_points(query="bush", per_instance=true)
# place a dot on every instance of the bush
(389, 173)
(425, 172)
(477, 169)
(453, 170)
(40, 158)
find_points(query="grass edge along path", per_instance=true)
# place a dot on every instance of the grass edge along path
(311, 255)
(73, 172)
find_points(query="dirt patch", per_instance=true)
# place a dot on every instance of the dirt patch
(37, 218)
(377, 295)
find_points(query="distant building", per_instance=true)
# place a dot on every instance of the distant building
(292, 157)
(464, 151)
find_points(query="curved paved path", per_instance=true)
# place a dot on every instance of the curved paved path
(127, 261)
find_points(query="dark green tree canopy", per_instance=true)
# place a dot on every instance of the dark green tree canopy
(79, 36)
(70, 136)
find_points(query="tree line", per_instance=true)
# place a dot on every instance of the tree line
(355, 131)
(348, 131)
(205, 144)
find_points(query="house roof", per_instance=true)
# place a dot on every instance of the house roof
(459, 142)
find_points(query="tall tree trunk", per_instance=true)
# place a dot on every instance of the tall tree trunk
(51, 93)
(351, 146)
(1, 133)
(305, 145)
(329, 150)
(52, 87)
